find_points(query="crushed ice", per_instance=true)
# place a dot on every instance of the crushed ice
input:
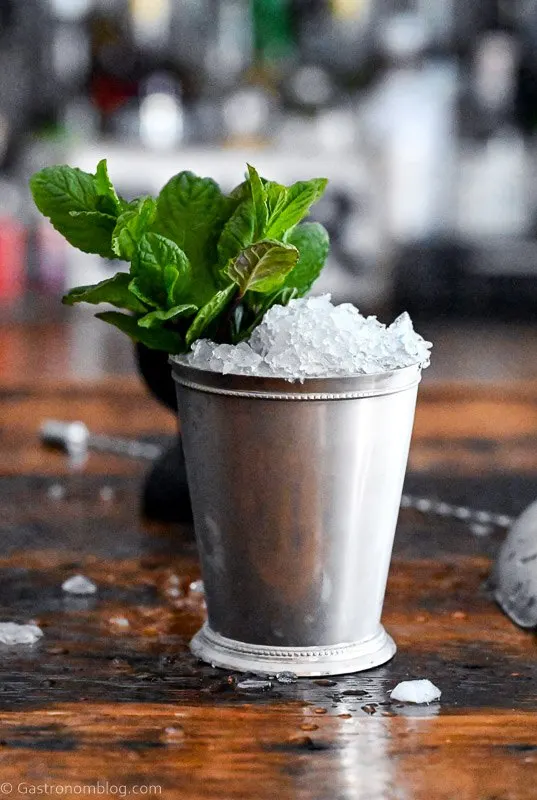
(286, 677)
(11, 633)
(310, 338)
(422, 691)
(79, 584)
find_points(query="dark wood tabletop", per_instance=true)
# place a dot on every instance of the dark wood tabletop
(111, 698)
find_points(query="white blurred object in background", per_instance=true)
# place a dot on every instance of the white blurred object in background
(161, 113)
(151, 20)
(413, 120)
(495, 173)
(70, 10)
(494, 188)
(494, 72)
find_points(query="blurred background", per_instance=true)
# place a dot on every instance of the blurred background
(423, 114)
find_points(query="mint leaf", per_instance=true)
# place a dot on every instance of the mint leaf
(106, 191)
(138, 292)
(241, 192)
(66, 196)
(156, 319)
(263, 266)
(276, 196)
(160, 270)
(131, 226)
(209, 312)
(177, 284)
(113, 290)
(191, 211)
(97, 225)
(285, 296)
(312, 242)
(299, 198)
(259, 202)
(154, 338)
(238, 232)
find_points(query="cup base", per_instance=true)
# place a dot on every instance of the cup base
(302, 661)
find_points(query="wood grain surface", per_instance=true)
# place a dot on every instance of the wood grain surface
(110, 702)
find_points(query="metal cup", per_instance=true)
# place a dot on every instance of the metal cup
(295, 493)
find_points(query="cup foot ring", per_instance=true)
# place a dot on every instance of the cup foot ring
(303, 661)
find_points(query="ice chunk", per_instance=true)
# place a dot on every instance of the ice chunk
(56, 491)
(421, 691)
(201, 354)
(253, 685)
(286, 677)
(120, 622)
(239, 359)
(174, 733)
(12, 633)
(79, 584)
(311, 337)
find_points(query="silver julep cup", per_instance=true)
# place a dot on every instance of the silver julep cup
(295, 493)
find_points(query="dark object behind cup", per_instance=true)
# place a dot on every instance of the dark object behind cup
(165, 497)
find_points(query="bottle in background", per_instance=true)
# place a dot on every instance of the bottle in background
(13, 244)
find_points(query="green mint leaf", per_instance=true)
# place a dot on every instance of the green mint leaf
(312, 242)
(191, 211)
(256, 199)
(298, 201)
(154, 338)
(241, 192)
(238, 232)
(131, 226)
(263, 266)
(138, 292)
(64, 193)
(177, 284)
(276, 196)
(97, 227)
(161, 271)
(156, 319)
(93, 215)
(259, 202)
(287, 294)
(209, 312)
(105, 189)
(113, 290)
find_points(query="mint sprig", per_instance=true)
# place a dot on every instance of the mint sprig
(201, 263)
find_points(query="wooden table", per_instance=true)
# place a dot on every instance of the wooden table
(111, 697)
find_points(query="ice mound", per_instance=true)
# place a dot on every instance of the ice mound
(311, 338)
(11, 633)
(422, 691)
(79, 584)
